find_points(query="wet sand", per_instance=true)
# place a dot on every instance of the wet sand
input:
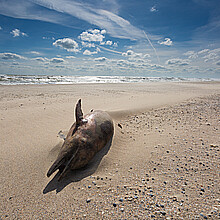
(162, 163)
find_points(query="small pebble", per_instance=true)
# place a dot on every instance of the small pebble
(88, 200)
(163, 213)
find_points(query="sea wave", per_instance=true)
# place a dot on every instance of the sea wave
(6, 79)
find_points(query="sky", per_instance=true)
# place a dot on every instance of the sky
(160, 38)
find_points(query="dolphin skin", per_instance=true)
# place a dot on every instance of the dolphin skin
(87, 136)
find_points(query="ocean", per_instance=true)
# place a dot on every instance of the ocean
(9, 79)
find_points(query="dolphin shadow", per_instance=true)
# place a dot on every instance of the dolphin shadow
(77, 175)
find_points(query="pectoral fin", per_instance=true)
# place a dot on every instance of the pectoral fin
(63, 164)
(56, 165)
(67, 166)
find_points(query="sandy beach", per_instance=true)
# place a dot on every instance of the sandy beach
(162, 164)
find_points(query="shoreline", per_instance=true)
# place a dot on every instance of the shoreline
(71, 79)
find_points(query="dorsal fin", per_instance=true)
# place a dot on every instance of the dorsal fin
(78, 113)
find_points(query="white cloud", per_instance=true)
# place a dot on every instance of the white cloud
(157, 66)
(217, 50)
(100, 59)
(88, 52)
(211, 56)
(203, 51)
(16, 33)
(128, 53)
(140, 57)
(167, 42)
(67, 44)
(48, 38)
(87, 44)
(146, 55)
(10, 56)
(177, 62)
(1, 28)
(191, 54)
(70, 57)
(103, 32)
(92, 36)
(95, 31)
(34, 52)
(153, 9)
(40, 59)
(108, 42)
(57, 60)
(115, 44)
(63, 12)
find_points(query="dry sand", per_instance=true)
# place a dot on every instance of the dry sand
(163, 163)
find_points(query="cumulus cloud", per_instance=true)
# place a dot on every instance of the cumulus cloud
(17, 33)
(135, 56)
(157, 66)
(34, 52)
(177, 62)
(108, 42)
(203, 51)
(40, 59)
(167, 41)
(10, 56)
(217, 50)
(146, 55)
(153, 9)
(88, 52)
(57, 60)
(128, 53)
(48, 38)
(210, 56)
(206, 55)
(70, 57)
(87, 44)
(100, 59)
(103, 32)
(115, 44)
(191, 54)
(67, 44)
(92, 35)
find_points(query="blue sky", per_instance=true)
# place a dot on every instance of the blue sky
(110, 37)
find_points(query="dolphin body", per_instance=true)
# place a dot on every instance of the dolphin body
(86, 137)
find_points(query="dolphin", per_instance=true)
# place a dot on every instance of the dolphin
(87, 136)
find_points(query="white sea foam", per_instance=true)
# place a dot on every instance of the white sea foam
(6, 79)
